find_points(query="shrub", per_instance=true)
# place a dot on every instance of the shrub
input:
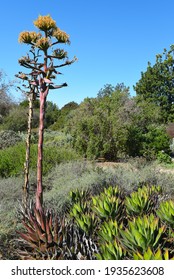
(10, 194)
(83, 175)
(71, 176)
(12, 159)
(57, 138)
(17, 119)
(162, 157)
(155, 140)
(8, 138)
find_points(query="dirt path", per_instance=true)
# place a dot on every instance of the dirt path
(127, 165)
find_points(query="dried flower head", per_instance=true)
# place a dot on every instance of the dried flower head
(43, 43)
(24, 59)
(45, 23)
(28, 37)
(61, 36)
(60, 53)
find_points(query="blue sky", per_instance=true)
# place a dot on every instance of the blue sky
(112, 39)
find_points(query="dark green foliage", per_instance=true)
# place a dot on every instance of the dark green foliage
(145, 137)
(113, 125)
(156, 84)
(162, 157)
(63, 116)
(155, 140)
(24, 104)
(96, 127)
(12, 159)
(52, 114)
(17, 119)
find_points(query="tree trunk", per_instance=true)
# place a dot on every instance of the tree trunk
(27, 155)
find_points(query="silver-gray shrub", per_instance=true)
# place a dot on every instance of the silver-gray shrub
(10, 196)
(9, 138)
(85, 175)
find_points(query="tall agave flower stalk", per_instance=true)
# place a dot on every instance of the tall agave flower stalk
(31, 94)
(43, 71)
(28, 144)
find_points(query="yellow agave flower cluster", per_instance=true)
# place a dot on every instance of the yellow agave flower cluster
(61, 36)
(44, 23)
(28, 37)
(43, 43)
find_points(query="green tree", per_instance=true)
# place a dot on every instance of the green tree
(95, 124)
(146, 136)
(63, 116)
(156, 84)
(155, 140)
(16, 120)
(52, 113)
(24, 104)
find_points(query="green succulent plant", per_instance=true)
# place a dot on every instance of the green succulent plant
(108, 231)
(86, 221)
(141, 201)
(108, 242)
(111, 251)
(150, 255)
(79, 196)
(141, 233)
(166, 212)
(108, 204)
